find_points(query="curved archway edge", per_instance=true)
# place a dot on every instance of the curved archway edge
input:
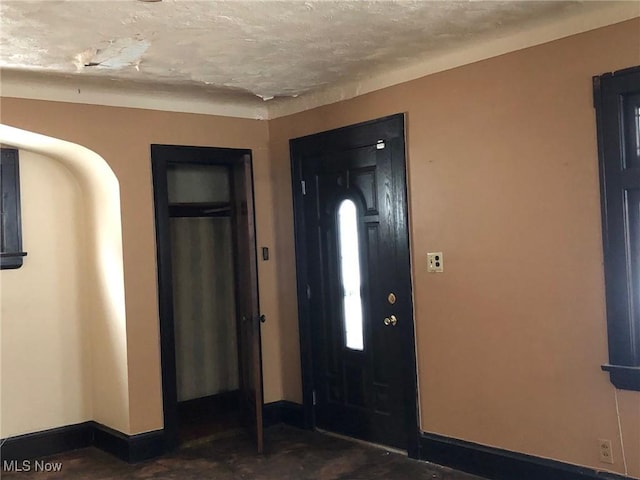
(108, 337)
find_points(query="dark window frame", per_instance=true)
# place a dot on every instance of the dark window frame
(11, 254)
(616, 96)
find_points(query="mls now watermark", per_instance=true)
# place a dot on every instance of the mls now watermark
(31, 466)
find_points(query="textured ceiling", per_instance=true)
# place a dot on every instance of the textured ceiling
(264, 48)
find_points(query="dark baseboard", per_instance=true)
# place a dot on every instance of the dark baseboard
(47, 442)
(225, 401)
(283, 411)
(488, 462)
(498, 464)
(130, 448)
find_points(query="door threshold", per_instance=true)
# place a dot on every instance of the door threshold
(363, 442)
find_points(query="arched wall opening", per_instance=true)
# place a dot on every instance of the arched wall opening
(96, 274)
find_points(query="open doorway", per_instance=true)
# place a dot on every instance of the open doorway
(207, 276)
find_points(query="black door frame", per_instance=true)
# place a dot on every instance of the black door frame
(161, 156)
(346, 138)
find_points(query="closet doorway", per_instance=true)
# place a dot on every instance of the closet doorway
(208, 293)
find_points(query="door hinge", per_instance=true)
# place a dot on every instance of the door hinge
(308, 292)
(313, 396)
(304, 187)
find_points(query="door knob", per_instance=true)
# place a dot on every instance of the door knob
(392, 320)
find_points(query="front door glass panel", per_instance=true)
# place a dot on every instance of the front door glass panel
(350, 275)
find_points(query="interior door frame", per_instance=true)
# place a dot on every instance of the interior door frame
(161, 157)
(323, 143)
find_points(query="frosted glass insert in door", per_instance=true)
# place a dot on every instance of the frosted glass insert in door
(350, 275)
(204, 307)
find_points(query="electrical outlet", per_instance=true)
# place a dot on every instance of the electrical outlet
(606, 454)
(435, 262)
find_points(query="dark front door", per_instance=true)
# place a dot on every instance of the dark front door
(354, 270)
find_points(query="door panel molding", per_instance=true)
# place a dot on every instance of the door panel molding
(310, 150)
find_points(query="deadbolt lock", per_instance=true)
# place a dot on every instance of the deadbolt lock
(391, 298)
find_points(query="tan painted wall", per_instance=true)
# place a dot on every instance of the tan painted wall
(503, 178)
(122, 137)
(45, 339)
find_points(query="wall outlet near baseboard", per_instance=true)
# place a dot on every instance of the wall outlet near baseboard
(606, 454)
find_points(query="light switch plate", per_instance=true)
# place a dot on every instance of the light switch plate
(435, 262)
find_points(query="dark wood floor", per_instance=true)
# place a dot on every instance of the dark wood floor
(291, 454)
(214, 416)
